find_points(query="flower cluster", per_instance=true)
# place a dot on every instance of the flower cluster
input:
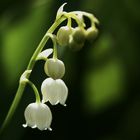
(53, 88)
(75, 37)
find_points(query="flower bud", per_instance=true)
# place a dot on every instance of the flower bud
(54, 91)
(78, 35)
(38, 115)
(74, 45)
(63, 35)
(54, 68)
(91, 34)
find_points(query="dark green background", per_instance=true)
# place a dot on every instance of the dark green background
(103, 78)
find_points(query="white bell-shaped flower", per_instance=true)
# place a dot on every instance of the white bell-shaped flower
(54, 91)
(54, 68)
(38, 115)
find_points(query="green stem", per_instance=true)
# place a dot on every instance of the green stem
(53, 37)
(35, 91)
(43, 42)
(72, 15)
(55, 51)
(30, 66)
(92, 18)
(69, 22)
(13, 106)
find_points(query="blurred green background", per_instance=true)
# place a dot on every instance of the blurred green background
(103, 79)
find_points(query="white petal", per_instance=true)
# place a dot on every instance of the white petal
(30, 114)
(24, 125)
(34, 126)
(38, 115)
(49, 91)
(50, 129)
(43, 117)
(62, 91)
(54, 91)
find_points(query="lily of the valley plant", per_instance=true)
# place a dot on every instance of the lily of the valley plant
(53, 88)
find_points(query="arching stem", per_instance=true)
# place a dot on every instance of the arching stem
(30, 66)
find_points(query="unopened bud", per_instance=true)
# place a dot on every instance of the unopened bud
(63, 35)
(91, 34)
(78, 35)
(54, 68)
(74, 45)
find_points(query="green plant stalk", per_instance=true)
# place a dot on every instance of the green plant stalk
(92, 18)
(30, 66)
(55, 51)
(72, 15)
(35, 91)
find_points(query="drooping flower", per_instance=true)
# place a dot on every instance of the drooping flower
(91, 34)
(54, 68)
(63, 35)
(54, 91)
(73, 45)
(77, 39)
(38, 115)
(79, 35)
